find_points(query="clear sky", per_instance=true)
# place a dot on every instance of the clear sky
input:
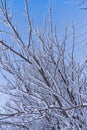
(64, 12)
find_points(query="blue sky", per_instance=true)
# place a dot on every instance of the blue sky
(63, 13)
(62, 10)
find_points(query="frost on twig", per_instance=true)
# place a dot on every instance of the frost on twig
(46, 89)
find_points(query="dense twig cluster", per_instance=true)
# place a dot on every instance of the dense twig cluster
(47, 91)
